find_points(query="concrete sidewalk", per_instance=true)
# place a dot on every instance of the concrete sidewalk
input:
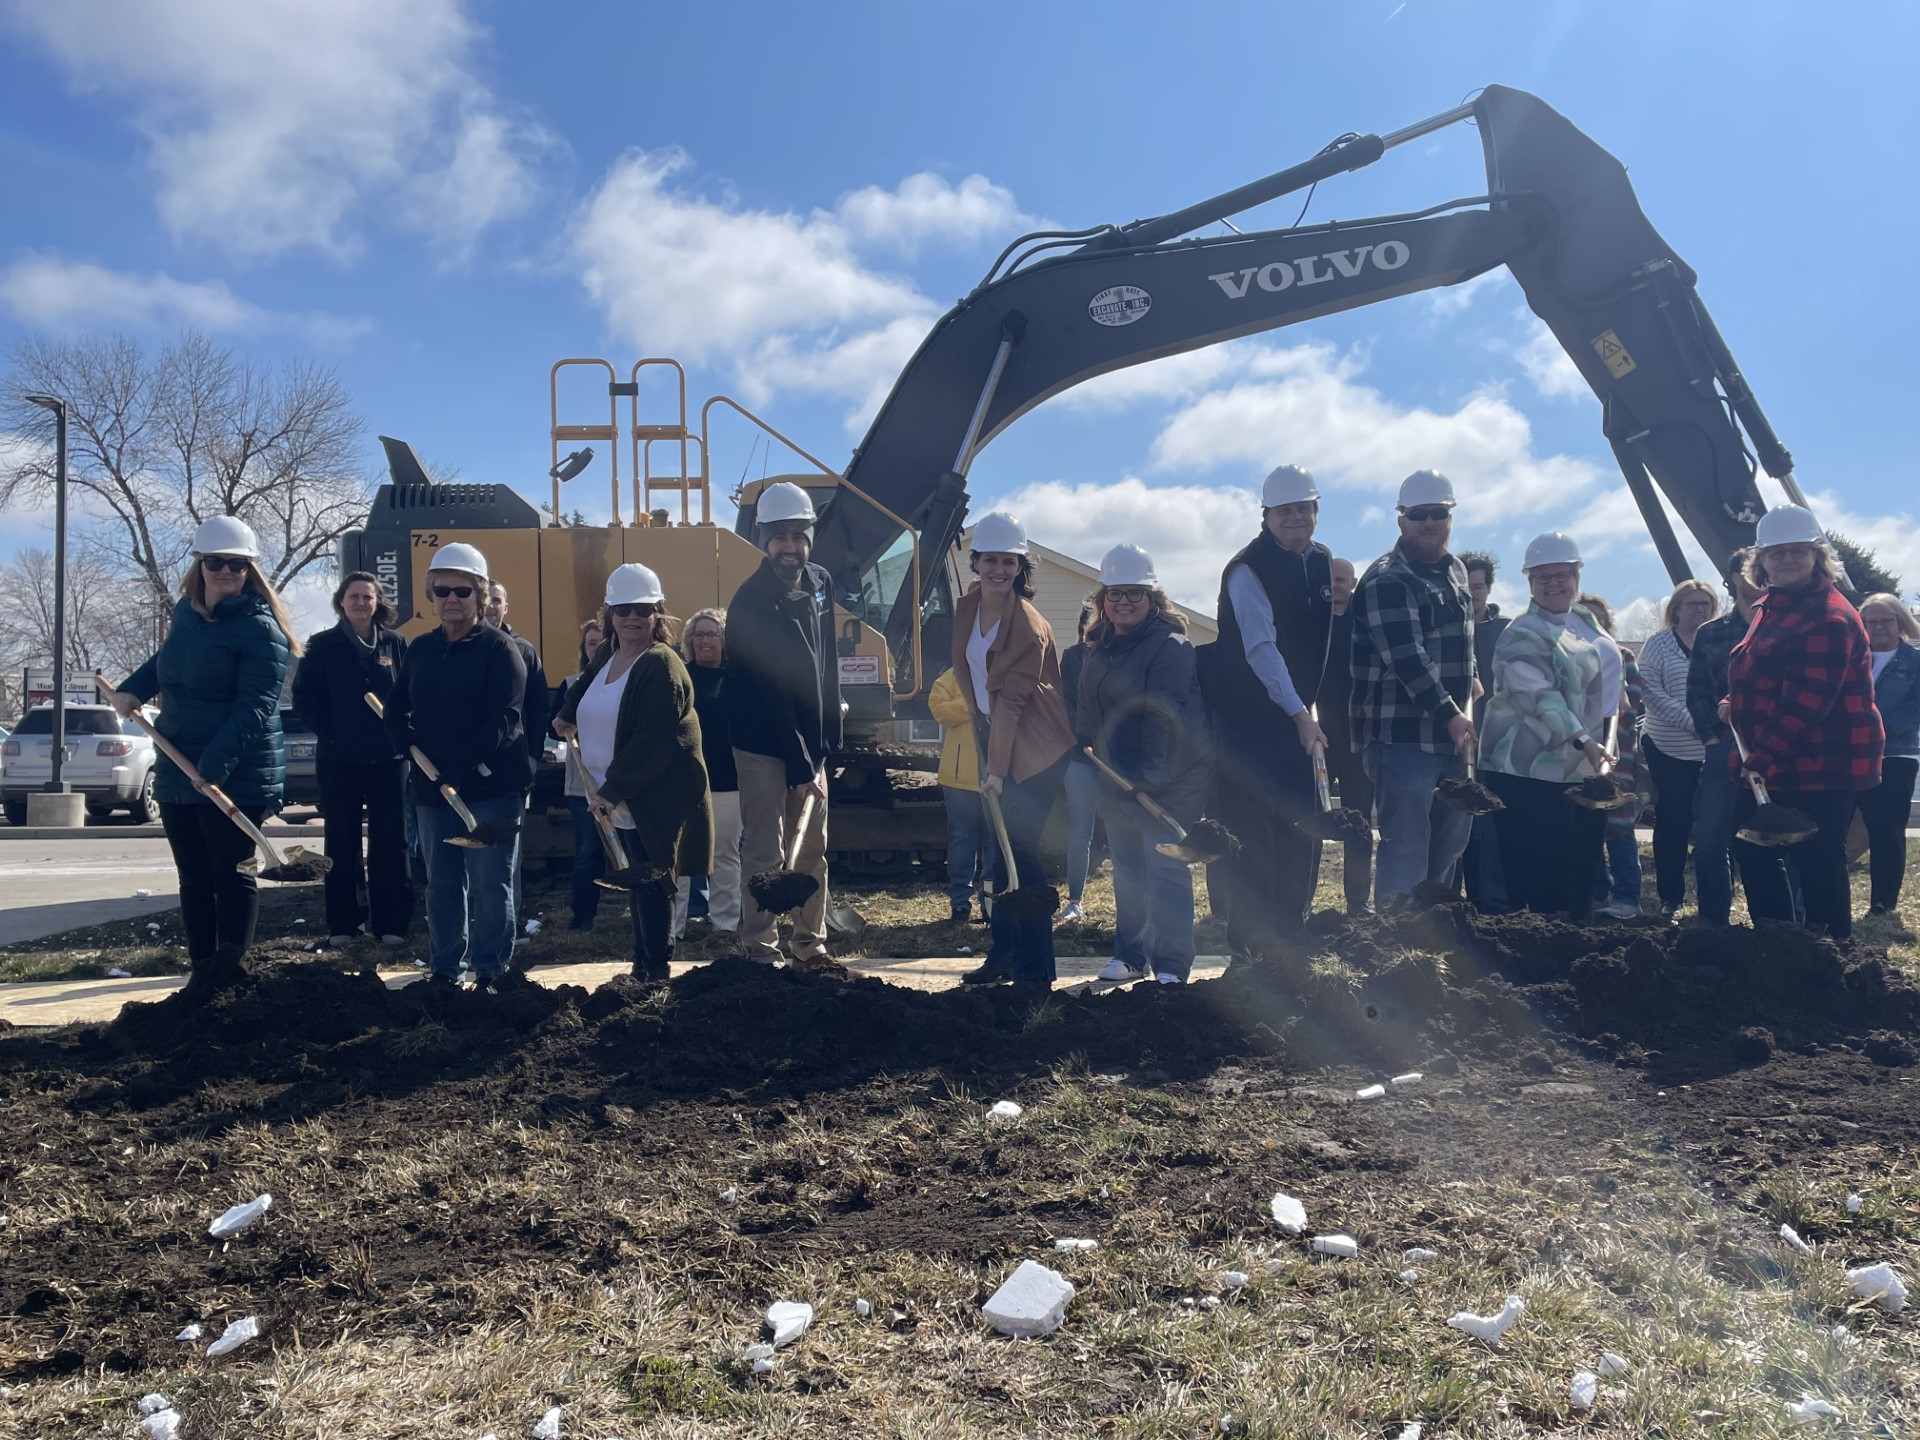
(67, 1002)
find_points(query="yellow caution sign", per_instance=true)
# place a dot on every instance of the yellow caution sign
(1618, 362)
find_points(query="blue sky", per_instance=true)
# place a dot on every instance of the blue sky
(441, 198)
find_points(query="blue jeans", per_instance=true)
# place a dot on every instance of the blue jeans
(1486, 882)
(1083, 789)
(589, 864)
(1152, 893)
(1023, 946)
(969, 841)
(1420, 838)
(459, 879)
(1622, 862)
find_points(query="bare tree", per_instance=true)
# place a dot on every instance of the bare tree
(111, 625)
(158, 444)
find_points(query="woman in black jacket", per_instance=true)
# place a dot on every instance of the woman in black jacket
(361, 771)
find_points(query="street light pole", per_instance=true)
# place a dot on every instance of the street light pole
(56, 782)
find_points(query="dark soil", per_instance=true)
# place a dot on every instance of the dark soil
(1777, 825)
(1469, 796)
(778, 891)
(1600, 792)
(1747, 1049)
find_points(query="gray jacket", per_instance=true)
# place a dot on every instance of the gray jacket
(1140, 708)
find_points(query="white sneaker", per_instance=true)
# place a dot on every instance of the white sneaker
(1620, 910)
(1167, 977)
(1120, 971)
(337, 942)
(1072, 914)
(393, 939)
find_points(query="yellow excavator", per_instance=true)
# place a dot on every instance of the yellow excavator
(1058, 308)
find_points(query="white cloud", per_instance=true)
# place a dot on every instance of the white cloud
(1451, 300)
(787, 301)
(1181, 526)
(1306, 402)
(1638, 618)
(54, 293)
(926, 208)
(1894, 539)
(1547, 363)
(276, 127)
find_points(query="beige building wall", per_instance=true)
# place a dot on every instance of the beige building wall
(1061, 583)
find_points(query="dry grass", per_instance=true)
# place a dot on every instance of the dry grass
(1615, 1248)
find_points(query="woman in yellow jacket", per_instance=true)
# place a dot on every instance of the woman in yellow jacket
(967, 826)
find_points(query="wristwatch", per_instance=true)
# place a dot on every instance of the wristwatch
(1580, 742)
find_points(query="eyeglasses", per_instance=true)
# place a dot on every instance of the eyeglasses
(1426, 513)
(234, 563)
(703, 635)
(453, 592)
(1131, 595)
(627, 612)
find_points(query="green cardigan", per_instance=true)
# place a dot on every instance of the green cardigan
(657, 770)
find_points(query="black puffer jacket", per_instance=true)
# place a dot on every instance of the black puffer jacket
(1140, 709)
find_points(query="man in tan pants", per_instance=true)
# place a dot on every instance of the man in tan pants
(783, 709)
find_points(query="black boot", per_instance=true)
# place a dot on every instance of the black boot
(988, 974)
(224, 970)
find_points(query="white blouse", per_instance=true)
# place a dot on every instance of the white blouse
(977, 647)
(597, 716)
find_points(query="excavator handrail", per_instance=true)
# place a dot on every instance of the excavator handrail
(841, 482)
(643, 437)
(609, 432)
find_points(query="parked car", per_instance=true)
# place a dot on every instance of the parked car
(108, 760)
(303, 781)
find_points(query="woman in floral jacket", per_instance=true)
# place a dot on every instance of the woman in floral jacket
(1556, 679)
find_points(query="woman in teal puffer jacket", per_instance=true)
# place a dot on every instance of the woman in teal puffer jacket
(219, 674)
(1556, 680)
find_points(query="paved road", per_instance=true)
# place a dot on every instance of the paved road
(54, 880)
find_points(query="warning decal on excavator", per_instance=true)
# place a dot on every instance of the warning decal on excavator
(1619, 363)
(1119, 305)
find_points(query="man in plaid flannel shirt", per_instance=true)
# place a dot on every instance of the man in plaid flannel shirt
(1413, 679)
(1800, 694)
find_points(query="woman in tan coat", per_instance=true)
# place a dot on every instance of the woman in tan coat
(1009, 673)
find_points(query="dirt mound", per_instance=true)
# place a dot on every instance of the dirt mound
(1389, 994)
(1676, 1001)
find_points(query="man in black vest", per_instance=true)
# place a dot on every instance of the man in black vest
(1276, 611)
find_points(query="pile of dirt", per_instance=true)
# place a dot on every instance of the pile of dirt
(1389, 994)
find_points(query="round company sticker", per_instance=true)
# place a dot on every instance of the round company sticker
(1119, 305)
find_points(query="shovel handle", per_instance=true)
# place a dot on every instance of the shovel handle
(195, 778)
(792, 856)
(1322, 787)
(447, 792)
(1000, 832)
(1147, 802)
(1754, 782)
(609, 834)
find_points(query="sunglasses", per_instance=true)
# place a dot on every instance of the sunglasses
(1132, 595)
(628, 612)
(226, 562)
(453, 592)
(1426, 513)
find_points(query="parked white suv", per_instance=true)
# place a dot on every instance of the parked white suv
(109, 760)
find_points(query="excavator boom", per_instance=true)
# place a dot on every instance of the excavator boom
(1058, 309)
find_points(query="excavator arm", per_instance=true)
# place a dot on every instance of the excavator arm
(1060, 308)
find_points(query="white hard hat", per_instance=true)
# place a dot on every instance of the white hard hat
(1127, 565)
(1287, 485)
(634, 585)
(225, 535)
(457, 556)
(783, 500)
(1425, 487)
(1788, 525)
(1552, 548)
(999, 533)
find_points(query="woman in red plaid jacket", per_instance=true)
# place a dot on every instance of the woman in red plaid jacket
(1800, 696)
